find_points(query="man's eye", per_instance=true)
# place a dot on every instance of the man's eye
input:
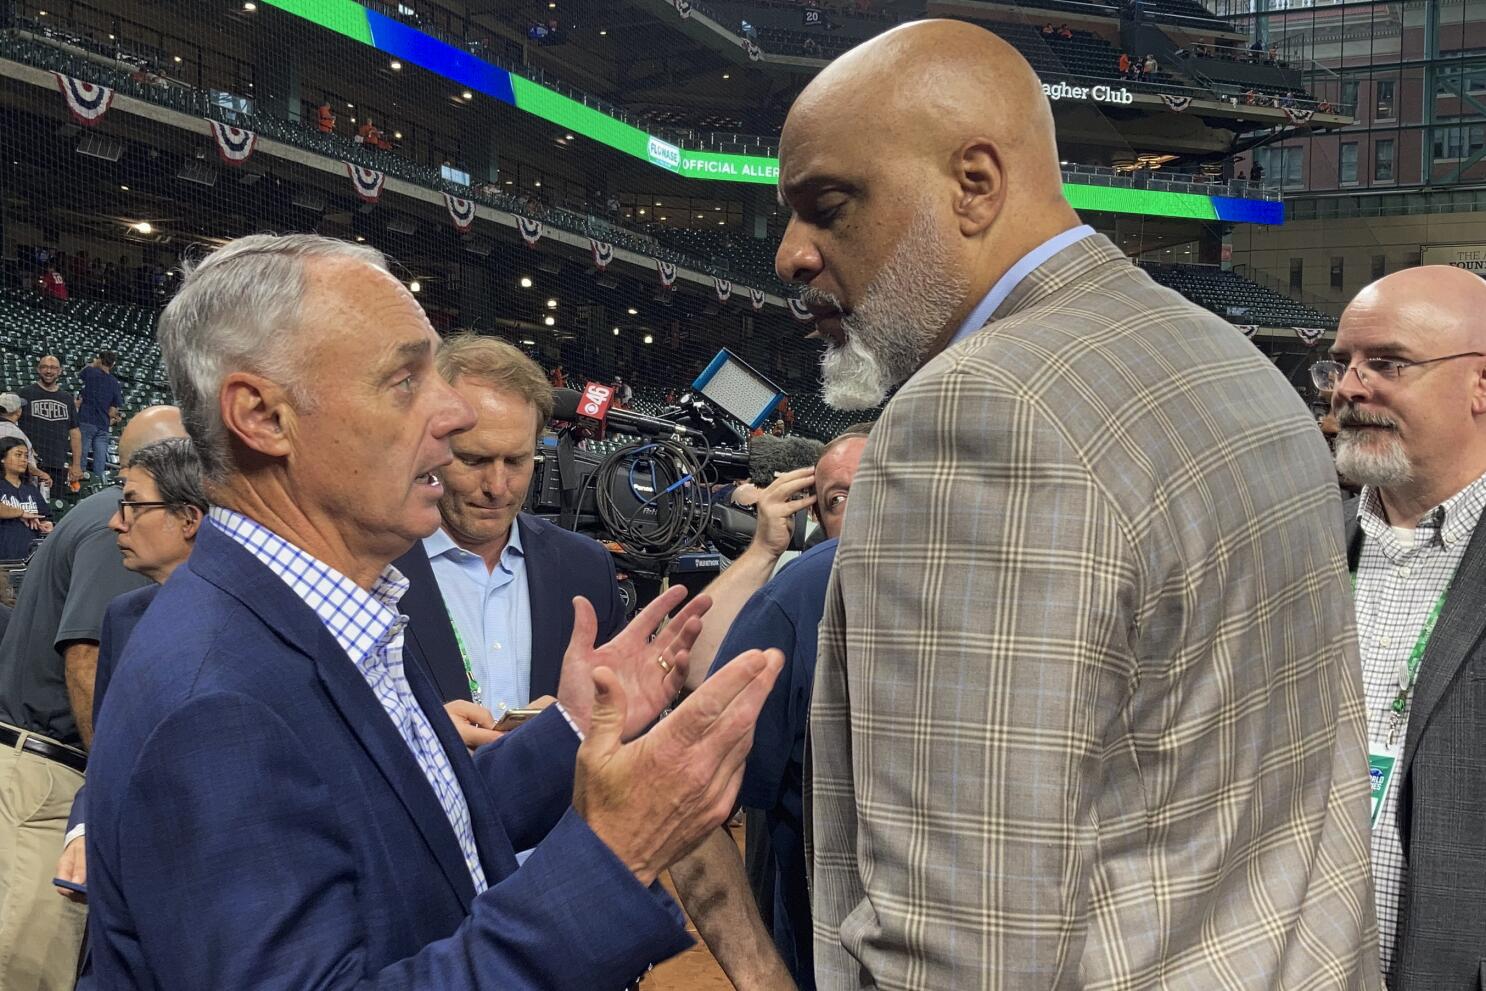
(407, 383)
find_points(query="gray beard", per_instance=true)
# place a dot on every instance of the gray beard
(1380, 462)
(902, 314)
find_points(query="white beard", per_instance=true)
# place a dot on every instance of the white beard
(902, 313)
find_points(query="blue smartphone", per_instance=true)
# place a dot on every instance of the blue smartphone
(81, 889)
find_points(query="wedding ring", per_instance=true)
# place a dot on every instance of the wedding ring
(664, 664)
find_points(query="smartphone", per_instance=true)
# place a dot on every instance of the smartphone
(512, 718)
(81, 889)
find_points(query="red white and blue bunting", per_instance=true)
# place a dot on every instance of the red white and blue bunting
(724, 289)
(366, 182)
(1247, 329)
(1177, 103)
(86, 102)
(756, 297)
(1309, 336)
(603, 253)
(667, 272)
(461, 211)
(531, 230)
(234, 145)
(1298, 116)
(798, 310)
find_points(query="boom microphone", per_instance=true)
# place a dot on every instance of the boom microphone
(566, 405)
(769, 456)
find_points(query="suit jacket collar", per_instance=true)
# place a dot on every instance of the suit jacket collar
(1071, 265)
(221, 561)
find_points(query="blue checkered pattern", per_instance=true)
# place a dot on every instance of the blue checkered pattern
(369, 627)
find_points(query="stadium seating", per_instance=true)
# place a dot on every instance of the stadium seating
(1237, 299)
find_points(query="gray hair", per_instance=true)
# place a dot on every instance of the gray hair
(176, 469)
(238, 309)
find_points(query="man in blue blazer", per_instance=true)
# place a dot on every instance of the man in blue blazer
(276, 799)
(490, 592)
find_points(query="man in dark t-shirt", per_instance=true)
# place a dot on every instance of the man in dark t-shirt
(50, 421)
(98, 411)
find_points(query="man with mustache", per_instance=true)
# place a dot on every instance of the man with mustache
(1409, 381)
(1087, 710)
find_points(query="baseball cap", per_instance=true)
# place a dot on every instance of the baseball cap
(10, 402)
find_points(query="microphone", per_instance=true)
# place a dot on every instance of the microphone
(769, 456)
(569, 404)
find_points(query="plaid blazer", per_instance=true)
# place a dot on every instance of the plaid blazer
(1088, 711)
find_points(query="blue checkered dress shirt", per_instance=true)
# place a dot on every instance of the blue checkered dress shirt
(369, 627)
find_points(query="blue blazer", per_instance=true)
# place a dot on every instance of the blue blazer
(258, 822)
(559, 565)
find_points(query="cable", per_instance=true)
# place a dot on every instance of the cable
(672, 518)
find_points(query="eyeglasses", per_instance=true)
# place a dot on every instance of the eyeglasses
(1327, 375)
(129, 508)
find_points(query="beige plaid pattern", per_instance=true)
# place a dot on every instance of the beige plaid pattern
(1088, 711)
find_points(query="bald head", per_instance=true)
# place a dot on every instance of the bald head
(147, 426)
(1430, 305)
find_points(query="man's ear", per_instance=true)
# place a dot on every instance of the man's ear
(257, 411)
(980, 180)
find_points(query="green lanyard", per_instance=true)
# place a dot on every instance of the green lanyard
(1408, 672)
(464, 655)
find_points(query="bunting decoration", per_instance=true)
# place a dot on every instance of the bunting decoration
(683, 7)
(756, 297)
(1247, 329)
(797, 309)
(667, 273)
(234, 145)
(724, 289)
(754, 51)
(531, 230)
(86, 102)
(1176, 103)
(461, 211)
(603, 253)
(1309, 336)
(1298, 116)
(366, 182)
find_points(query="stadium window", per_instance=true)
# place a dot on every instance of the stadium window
(1337, 263)
(1349, 94)
(1383, 108)
(1382, 160)
(1296, 273)
(1293, 159)
(1346, 170)
(1379, 266)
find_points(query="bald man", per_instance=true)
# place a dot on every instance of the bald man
(47, 667)
(1088, 710)
(1409, 380)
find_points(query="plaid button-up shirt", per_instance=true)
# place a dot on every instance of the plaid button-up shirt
(369, 628)
(1400, 576)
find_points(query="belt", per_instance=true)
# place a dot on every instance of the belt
(42, 747)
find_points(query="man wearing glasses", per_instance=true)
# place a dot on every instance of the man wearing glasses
(1408, 383)
(47, 663)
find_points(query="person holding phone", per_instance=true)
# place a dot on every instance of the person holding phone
(24, 516)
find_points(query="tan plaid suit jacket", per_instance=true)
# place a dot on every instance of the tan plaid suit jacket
(1088, 711)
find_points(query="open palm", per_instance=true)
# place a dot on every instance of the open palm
(634, 655)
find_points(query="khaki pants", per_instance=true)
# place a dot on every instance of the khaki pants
(40, 931)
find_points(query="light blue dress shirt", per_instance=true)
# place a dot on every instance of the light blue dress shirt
(1014, 277)
(491, 610)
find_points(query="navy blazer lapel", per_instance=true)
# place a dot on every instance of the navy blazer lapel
(219, 559)
(430, 631)
(1459, 630)
(549, 606)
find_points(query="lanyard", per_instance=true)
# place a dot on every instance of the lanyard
(464, 655)
(1408, 671)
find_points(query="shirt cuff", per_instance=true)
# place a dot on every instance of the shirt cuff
(74, 833)
(573, 725)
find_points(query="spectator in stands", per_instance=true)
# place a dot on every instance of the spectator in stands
(270, 676)
(1274, 53)
(624, 395)
(1409, 377)
(811, 49)
(50, 421)
(558, 377)
(1124, 64)
(785, 613)
(98, 410)
(1256, 175)
(1048, 30)
(981, 855)
(1065, 32)
(46, 717)
(1256, 50)
(325, 118)
(24, 515)
(1250, 97)
(53, 288)
(370, 135)
(1151, 68)
(163, 506)
(10, 415)
(1288, 100)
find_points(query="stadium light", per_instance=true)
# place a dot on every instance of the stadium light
(616, 331)
(727, 75)
(394, 65)
(360, 238)
(551, 304)
(143, 227)
(633, 312)
(649, 339)
(527, 341)
(550, 321)
(415, 286)
(177, 58)
(603, 32)
(526, 282)
(467, 95)
(124, 188)
(397, 135)
(250, 6)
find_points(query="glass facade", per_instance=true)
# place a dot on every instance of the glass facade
(1414, 70)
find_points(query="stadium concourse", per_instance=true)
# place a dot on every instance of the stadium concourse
(595, 182)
